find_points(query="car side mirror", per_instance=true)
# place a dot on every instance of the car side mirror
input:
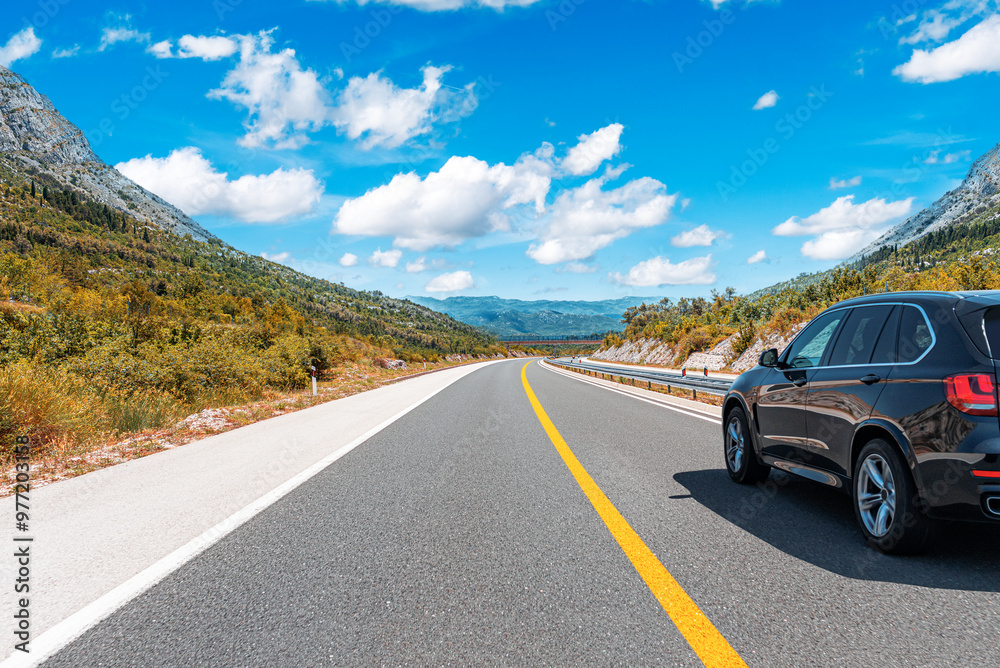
(769, 357)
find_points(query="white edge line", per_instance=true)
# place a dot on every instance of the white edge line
(71, 628)
(583, 379)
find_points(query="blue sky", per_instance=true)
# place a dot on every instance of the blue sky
(576, 149)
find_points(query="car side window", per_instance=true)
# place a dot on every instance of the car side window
(885, 349)
(857, 337)
(808, 348)
(914, 335)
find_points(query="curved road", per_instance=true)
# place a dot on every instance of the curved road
(457, 536)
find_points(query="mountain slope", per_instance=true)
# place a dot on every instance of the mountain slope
(72, 223)
(516, 317)
(979, 191)
(34, 133)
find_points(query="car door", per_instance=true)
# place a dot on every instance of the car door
(781, 400)
(843, 390)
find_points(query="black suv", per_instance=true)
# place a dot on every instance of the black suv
(890, 397)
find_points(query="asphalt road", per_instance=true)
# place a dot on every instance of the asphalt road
(458, 536)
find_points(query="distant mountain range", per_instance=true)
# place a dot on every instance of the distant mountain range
(32, 130)
(516, 317)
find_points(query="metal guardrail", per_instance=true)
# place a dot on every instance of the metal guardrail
(713, 386)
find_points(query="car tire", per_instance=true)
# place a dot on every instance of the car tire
(886, 502)
(737, 449)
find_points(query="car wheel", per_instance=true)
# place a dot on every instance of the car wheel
(741, 460)
(886, 502)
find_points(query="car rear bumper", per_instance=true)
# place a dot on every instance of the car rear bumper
(951, 490)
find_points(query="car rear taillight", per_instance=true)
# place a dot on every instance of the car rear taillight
(972, 393)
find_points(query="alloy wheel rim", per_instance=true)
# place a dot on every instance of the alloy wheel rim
(876, 495)
(735, 445)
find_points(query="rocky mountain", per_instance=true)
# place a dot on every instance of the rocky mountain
(979, 192)
(516, 317)
(37, 137)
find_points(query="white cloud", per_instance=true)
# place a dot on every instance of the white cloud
(766, 101)
(283, 100)
(464, 199)
(389, 258)
(588, 218)
(276, 257)
(933, 28)
(111, 35)
(661, 271)
(936, 24)
(444, 5)
(579, 268)
(422, 264)
(978, 50)
(453, 282)
(188, 180)
(845, 183)
(468, 198)
(23, 44)
(593, 149)
(162, 49)
(417, 266)
(68, 52)
(936, 158)
(759, 256)
(843, 228)
(213, 47)
(380, 113)
(699, 236)
(348, 260)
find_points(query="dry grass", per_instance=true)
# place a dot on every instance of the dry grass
(12, 306)
(74, 442)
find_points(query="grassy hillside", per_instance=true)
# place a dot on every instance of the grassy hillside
(109, 325)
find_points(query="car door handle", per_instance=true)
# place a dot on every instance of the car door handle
(799, 382)
(870, 379)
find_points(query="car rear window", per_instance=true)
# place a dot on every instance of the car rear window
(915, 335)
(857, 337)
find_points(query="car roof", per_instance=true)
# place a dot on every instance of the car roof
(982, 296)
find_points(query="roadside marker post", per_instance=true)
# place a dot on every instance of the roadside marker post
(313, 369)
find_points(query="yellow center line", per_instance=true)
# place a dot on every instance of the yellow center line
(704, 638)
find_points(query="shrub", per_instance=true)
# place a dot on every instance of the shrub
(287, 362)
(612, 340)
(696, 340)
(746, 338)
